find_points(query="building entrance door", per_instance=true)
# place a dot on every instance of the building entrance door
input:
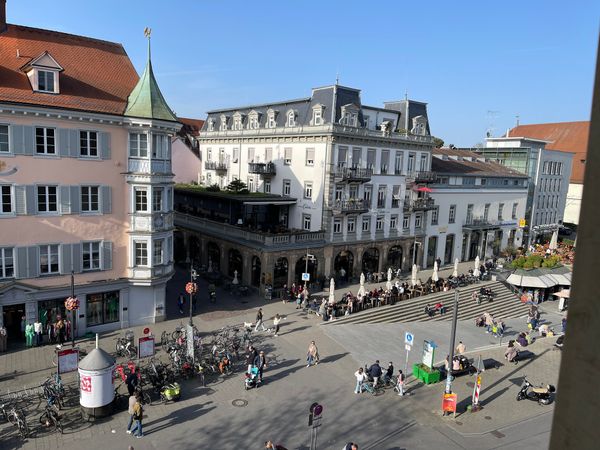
(12, 315)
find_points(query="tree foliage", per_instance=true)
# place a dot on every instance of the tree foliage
(437, 142)
(237, 186)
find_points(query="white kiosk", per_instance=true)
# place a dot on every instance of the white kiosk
(96, 385)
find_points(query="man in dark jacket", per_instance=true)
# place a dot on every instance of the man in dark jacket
(389, 373)
(260, 361)
(251, 354)
(375, 372)
(133, 380)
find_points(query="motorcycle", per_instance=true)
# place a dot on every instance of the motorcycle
(542, 395)
(170, 392)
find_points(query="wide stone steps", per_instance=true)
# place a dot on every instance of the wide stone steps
(505, 305)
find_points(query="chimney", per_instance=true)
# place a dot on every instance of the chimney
(2, 15)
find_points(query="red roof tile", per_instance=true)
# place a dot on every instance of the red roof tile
(571, 137)
(191, 126)
(98, 75)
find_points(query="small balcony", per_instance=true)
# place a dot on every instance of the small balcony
(353, 174)
(421, 177)
(219, 166)
(357, 206)
(481, 223)
(419, 204)
(267, 169)
(151, 222)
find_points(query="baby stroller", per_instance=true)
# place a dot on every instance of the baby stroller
(251, 378)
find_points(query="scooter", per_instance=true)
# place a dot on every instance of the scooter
(542, 395)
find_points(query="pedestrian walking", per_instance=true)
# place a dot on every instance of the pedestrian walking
(312, 355)
(250, 356)
(270, 446)
(460, 348)
(132, 399)
(361, 377)
(276, 320)
(400, 383)
(181, 302)
(138, 414)
(259, 320)
(261, 363)
(375, 372)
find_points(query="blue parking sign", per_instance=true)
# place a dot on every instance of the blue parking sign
(409, 338)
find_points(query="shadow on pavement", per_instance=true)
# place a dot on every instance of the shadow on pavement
(177, 417)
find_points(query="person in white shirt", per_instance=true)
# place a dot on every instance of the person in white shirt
(361, 376)
(37, 329)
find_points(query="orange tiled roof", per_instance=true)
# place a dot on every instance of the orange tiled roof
(191, 126)
(98, 75)
(571, 137)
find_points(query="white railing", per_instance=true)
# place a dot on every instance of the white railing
(149, 166)
(151, 222)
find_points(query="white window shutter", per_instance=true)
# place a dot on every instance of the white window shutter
(65, 199)
(106, 200)
(20, 201)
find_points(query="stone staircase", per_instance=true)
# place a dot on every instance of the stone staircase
(506, 305)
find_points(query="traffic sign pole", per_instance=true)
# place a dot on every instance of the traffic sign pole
(409, 338)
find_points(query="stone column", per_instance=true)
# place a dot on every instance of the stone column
(224, 263)
(466, 256)
(203, 253)
(247, 268)
(186, 245)
(327, 268)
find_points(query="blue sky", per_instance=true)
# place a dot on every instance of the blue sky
(477, 64)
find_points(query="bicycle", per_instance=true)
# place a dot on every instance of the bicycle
(17, 418)
(124, 346)
(374, 390)
(51, 418)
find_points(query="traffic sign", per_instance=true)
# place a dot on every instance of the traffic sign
(306, 276)
(409, 338)
(407, 347)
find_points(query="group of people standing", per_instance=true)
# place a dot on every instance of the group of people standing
(375, 373)
(51, 332)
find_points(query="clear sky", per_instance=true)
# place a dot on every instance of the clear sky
(477, 64)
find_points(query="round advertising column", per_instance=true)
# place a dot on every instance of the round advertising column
(96, 385)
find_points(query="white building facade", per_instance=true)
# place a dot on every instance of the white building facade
(480, 206)
(349, 169)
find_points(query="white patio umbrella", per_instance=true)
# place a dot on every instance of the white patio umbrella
(455, 273)
(434, 276)
(332, 291)
(476, 271)
(235, 278)
(554, 241)
(388, 285)
(361, 289)
(413, 277)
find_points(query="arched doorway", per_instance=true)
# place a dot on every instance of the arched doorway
(344, 260)
(394, 258)
(280, 272)
(370, 261)
(235, 263)
(301, 267)
(214, 256)
(194, 249)
(255, 275)
(449, 249)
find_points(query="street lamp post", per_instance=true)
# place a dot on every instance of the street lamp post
(452, 341)
(192, 288)
(312, 257)
(73, 310)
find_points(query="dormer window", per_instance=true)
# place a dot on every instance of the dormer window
(317, 116)
(211, 125)
(349, 115)
(237, 121)
(223, 125)
(271, 123)
(43, 73)
(291, 119)
(253, 120)
(45, 81)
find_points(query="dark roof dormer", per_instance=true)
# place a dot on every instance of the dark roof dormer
(43, 73)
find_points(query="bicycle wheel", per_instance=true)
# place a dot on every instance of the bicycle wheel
(22, 426)
(146, 399)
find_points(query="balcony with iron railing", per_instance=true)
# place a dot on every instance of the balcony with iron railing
(355, 206)
(353, 174)
(262, 168)
(219, 166)
(480, 223)
(419, 204)
(421, 177)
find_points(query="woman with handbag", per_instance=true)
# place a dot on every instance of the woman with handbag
(138, 414)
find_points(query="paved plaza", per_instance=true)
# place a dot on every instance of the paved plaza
(224, 415)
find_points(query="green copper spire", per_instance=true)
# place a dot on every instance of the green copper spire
(146, 100)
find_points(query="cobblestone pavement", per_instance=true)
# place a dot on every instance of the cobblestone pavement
(207, 417)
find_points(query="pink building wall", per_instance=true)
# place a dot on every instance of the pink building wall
(187, 167)
(41, 229)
